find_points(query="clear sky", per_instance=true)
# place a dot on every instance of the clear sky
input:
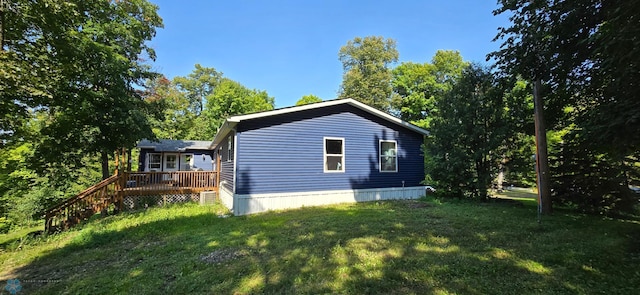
(290, 48)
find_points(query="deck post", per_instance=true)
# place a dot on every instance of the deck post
(218, 169)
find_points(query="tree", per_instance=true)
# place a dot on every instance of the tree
(308, 99)
(519, 145)
(467, 134)
(526, 53)
(584, 54)
(174, 118)
(198, 86)
(367, 76)
(81, 62)
(230, 98)
(419, 86)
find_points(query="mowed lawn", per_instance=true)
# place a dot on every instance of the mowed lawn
(393, 247)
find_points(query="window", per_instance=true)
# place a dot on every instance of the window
(172, 161)
(230, 148)
(333, 154)
(388, 156)
(186, 162)
(154, 161)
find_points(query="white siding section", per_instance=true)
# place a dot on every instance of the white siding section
(254, 203)
(226, 197)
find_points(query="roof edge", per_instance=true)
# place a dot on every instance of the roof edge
(232, 121)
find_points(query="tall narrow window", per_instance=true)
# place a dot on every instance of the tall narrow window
(155, 161)
(230, 148)
(388, 156)
(333, 154)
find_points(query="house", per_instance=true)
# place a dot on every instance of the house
(329, 152)
(168, 155)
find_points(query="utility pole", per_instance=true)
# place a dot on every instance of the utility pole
(542, 160)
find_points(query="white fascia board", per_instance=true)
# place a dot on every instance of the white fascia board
(226, 127)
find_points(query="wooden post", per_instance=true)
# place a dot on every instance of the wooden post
(218, 168)
(542, 161)
(116, 162)
(129, 160)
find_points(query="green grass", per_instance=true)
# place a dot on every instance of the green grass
(400, 247)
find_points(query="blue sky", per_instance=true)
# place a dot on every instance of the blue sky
(290, 48)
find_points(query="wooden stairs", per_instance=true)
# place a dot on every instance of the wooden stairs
(107, 196)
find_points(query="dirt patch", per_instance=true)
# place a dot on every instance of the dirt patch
(222, 255)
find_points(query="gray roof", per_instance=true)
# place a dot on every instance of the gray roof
(172, 145)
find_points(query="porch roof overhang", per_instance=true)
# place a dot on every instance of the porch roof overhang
(171, 145)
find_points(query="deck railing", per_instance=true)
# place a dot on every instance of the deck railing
(111, 191)
(147, 183)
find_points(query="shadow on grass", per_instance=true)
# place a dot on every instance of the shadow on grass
(384, 247)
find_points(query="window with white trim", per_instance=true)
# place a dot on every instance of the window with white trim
(388, 156)
(155, 161)
(172, 161)
(333, 154)
(230, 148)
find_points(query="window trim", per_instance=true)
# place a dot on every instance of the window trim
(380, 155)
(324, 155)
(149, 162)
(230, 148)
(166, 161)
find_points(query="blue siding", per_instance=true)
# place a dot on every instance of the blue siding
(285, 153)
(226, 164)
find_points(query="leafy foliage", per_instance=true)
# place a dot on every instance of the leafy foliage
(308, 99)
(197, 86)
(586, 53)
(173, 118)
(83, 61)
(419, 86)
(367, 76)
(467, 134)
(230, 98)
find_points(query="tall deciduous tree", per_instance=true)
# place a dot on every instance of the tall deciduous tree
(419, 86)
(467, 134)
(84, 61)
(367, 74)
(197, 86)
(230, 98)
(586, 54)
(175, 119)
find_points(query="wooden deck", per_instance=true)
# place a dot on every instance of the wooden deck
(150, 183)
(109, 193)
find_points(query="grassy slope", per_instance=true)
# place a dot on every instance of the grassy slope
(386, 247)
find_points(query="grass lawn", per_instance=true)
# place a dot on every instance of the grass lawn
(399, 247)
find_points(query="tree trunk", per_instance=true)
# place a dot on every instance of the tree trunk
(2, 4)
(105, 165)
(542, 161)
